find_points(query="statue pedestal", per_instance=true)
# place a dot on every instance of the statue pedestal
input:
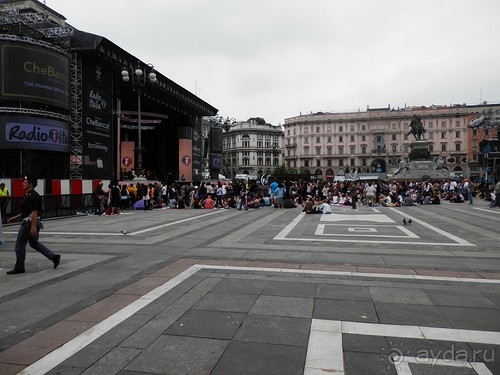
(420, 150)
(421, 166)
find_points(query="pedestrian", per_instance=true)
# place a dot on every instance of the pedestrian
(279, 195)
(354, 196)
(98, 198)
(471, 191)
(4, 201)
(31, 207)
(497, 194)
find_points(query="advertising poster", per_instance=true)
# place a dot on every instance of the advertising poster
(33, 133)
(197, 153)
(97, 114)
(33, 74)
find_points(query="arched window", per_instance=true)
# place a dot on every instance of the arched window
(245, 140)
(457, 147)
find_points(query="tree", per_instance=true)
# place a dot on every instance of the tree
(258, 120)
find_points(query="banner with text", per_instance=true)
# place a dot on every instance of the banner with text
(34, 74)
(33, 133)
(97, 113)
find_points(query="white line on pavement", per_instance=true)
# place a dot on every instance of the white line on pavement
(323, 351)
(452, 237)
(94, 234)
(490, 210)
(73, 346)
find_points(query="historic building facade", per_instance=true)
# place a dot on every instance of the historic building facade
(252, 148)
(376, 140)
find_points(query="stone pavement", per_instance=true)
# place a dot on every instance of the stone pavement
(263, 291)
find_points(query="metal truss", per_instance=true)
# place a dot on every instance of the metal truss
(34, 112)
(60, 32)
(75, 120)
(33, 41)
(39, 23)
(12, 15)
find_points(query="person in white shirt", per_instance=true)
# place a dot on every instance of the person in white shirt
(325, 207)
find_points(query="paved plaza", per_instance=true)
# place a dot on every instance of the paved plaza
(263, 291)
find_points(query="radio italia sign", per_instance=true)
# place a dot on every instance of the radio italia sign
(30, 133)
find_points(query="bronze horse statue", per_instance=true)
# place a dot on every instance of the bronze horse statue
(417, 128)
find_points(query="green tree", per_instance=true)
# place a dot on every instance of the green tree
(258, 120)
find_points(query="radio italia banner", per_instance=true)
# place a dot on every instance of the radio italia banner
(33, 133)
(34, 74)
(127, 157)
(185, 160)
(97, 113)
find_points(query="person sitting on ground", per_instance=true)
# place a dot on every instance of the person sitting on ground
(180, 203)
(408, 200)
(457, 197)
(309, 206)
(196, 203)
(436, 199)
(335, 200)
(255, 203)
(208, 203)
(427, 199)
(345, 200)
(324, 208)
(231, 202)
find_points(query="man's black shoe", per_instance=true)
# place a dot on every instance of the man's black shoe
(14, 271)
(56, 260)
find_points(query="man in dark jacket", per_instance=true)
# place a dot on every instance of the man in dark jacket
(31, 207)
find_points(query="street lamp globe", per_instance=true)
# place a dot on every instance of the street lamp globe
(125, 75)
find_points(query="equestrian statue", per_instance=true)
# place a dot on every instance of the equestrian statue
(417, 128)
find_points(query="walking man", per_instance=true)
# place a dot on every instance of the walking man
(30, 208)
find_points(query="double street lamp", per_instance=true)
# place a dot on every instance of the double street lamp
(139, 78)
(227, 124)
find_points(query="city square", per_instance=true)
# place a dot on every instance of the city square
(261, 188)
(262, 291)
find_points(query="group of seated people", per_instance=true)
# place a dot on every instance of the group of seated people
(408, 199)
(311, 206)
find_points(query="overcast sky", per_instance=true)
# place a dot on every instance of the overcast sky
(279, 58)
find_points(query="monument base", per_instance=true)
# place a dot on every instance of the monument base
(422, 170)
(421, 166)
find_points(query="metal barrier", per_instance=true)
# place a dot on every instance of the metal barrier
(57, 205)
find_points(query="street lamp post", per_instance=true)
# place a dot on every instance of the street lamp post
(227, 125)
(139, 78)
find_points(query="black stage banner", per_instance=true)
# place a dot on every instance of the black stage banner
(97, 114)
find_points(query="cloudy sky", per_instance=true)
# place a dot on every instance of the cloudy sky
(279, 58)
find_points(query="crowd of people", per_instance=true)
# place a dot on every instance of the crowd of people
(312, 196)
